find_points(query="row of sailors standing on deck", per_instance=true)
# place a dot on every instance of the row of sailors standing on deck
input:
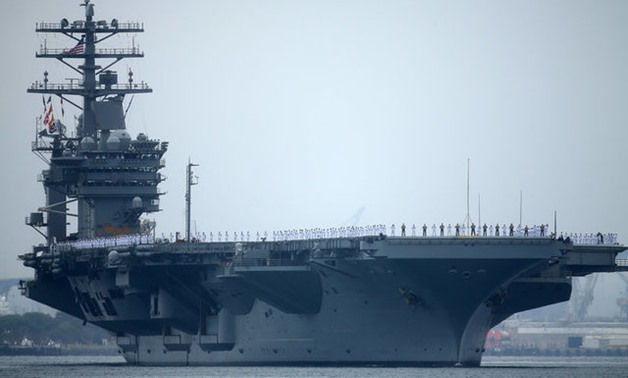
(322, 233)
(326, 233)
(497, 230)
(461, 230)
(301, 234)
(598, 238)
(286, 235)
(104, 242)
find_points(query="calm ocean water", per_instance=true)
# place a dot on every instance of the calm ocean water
(112, 367)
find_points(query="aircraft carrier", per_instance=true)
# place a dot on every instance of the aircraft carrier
(337, 298)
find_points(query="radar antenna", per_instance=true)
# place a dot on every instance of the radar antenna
(467, 219)
(191, 180)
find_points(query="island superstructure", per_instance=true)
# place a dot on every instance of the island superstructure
(350, 299)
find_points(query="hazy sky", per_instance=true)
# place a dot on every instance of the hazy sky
(301, 114)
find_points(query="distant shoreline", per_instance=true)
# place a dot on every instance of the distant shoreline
(558, 352)
(65, 350)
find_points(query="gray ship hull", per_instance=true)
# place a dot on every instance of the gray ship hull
(389, 301)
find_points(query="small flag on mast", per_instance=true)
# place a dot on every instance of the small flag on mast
(47, 115)
(79, 48)
(52, 127)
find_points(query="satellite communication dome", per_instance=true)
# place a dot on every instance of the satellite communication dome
(113, 258)
(113, 143)
(124, 137)
(137, 203)
(88, 144)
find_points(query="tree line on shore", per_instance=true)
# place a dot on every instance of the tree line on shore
(38, 329)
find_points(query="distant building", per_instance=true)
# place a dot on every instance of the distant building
(19, 304)
(4, 306)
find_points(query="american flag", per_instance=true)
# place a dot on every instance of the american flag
(78, 49)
